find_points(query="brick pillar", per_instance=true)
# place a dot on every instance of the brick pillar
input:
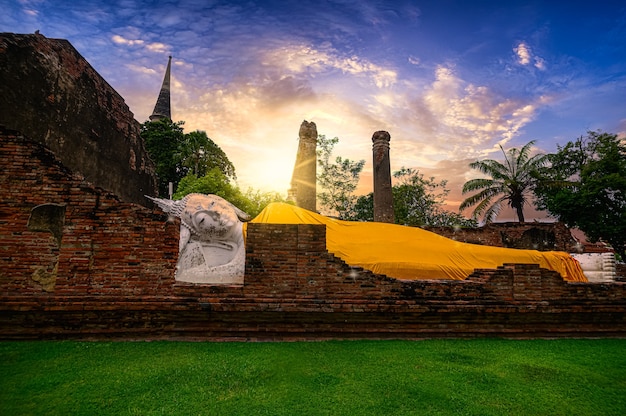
(303, 182)
(383, 197)
(527, 282)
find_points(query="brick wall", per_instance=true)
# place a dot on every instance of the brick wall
(620, 271)
(50, 93)
(75, 262)
(106, 246)
(527, 235)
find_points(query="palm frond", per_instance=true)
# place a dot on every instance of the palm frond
(522, 157)
(508, 163)
(493, 211)
(512, 180)
(485, 194)
(474, 184)
(480, 208)
(490, 167)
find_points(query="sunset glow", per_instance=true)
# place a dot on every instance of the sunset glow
(450, 81)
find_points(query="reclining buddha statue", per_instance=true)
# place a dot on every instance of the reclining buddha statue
(211, 246)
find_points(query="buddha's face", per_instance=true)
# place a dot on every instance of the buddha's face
(210, 217)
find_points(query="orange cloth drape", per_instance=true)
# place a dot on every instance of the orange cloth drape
(413, 253)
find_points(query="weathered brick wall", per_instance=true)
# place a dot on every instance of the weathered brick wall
(50, 93)
(107, 246)
(527, 235)
(620, 271)
(77, 262)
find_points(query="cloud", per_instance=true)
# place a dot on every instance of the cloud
(252, 103)
(90, 14)
(456, 173)
(540, 63)
(414, 60)
(447, 119)
(132, 39)
(349, 97)
(157, 47)
(458, 118)
(254, 113)
(525, 56)
(523, 53)
(306, 58)
(248, 74)
(141, 69)
(30, 7)
(120, 40)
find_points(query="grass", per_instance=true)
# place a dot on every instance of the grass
(433, 377)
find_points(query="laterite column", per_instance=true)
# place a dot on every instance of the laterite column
(383, 197)
(304, 179)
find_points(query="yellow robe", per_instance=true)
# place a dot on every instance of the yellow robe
(413, 253)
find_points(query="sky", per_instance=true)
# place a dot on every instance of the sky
(450, 80)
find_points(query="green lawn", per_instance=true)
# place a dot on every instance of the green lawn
(472, 377)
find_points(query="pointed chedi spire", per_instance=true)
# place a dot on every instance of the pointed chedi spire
(162, 109)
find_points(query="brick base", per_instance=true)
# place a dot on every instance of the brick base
(104, 269)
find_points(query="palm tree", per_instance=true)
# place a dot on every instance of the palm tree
(510, 181)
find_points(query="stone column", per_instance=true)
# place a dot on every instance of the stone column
(383, 197)
(304, 179)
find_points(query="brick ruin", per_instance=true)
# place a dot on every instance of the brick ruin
(81, 258)
(542, 236)
(76, 262)
(50, 93)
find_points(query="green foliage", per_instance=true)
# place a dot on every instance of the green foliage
(252, 202)
(512, 182)
(214, 182)
(200, 154)
(163, 139)
(176, 154)
(417, 201)
(443, 218)
(585, 187)
(431, 377)
(337, 180)
(363, 208)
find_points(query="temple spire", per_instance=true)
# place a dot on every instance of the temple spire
(162, 109)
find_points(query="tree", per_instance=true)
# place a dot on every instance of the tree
(252, 202)
(176, 154)
(338, 180)
(255, 201)
(363, 208)
(417, 201)
(195, 164)
(200, 154)
(585, 187)
(512, 181)
(163, 139)
(214, 182)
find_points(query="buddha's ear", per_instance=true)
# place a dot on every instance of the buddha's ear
(185, 235)
(240, 214)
